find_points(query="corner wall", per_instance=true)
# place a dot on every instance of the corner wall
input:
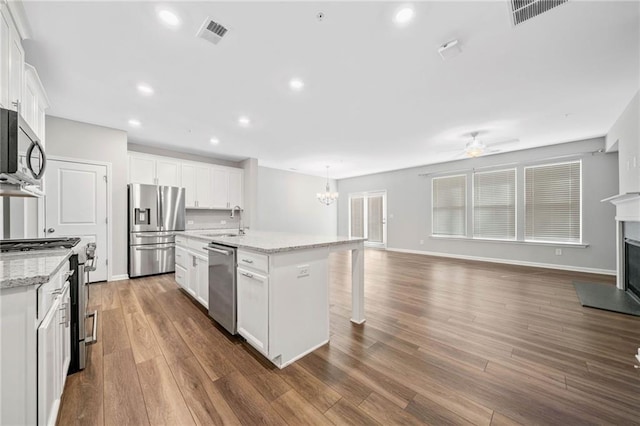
(83, 141)
(409, 201)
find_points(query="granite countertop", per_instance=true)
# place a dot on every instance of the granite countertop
(19, 269)
(268, 242)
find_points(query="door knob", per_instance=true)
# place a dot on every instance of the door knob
(51, 230)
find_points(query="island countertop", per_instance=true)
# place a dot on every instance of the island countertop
(267, 242)
(31, 268)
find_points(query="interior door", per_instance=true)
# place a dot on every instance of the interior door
(76, 206)
(368, 217)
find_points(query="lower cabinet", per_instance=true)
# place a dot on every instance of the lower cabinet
(54, 355)
(253, 308)
(192, 273)
(35, 350)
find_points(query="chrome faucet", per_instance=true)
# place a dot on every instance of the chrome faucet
(240, 227)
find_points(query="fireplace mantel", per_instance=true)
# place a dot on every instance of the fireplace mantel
(627, 206)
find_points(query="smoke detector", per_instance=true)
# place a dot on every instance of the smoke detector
(211, 31)
(449, 50)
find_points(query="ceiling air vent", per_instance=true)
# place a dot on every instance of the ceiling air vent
(523, 10)
(211, 31)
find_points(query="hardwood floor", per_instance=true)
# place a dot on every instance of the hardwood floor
(445, 342)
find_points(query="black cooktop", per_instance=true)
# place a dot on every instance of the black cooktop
(38, 244)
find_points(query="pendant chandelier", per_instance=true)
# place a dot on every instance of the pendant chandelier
(327, 197)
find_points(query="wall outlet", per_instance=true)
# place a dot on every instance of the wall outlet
(303, 271)
(558, 252)
(223, 222)
(421, 242)
(189, 222)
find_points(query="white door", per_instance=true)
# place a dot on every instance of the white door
(235, 188)
(189, 184)
(253, 308)
(368, 217)
(202, 273)
(204, 196)
(220, 188)
(76, 206)
(167, 173)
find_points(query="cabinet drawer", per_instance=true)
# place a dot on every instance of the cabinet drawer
(181, 240)
(181, 276)
(48, 291)
(181, 257)
(259, 262)
(197, 246)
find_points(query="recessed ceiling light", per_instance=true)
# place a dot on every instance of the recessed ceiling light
(214, 141)
(296, 84)
(134, 123)
(404, 15)
(244, 121)
(168, 17)
(145, 89)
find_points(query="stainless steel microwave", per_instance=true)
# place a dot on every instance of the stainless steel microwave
(22, 158)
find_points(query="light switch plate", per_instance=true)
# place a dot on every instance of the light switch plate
(189, 222)
(303, 271)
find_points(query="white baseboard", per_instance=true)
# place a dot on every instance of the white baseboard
(510, 262)
(119, 277)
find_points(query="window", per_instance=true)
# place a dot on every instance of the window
(450, 205)
(553, 202)
(494, 204)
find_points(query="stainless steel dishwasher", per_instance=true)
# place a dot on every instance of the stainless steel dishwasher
(222, 285)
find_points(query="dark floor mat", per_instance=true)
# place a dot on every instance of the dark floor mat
(607, 297)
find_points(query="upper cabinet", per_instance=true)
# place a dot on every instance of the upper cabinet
(227, 187)
(11, 62)
(207, 186)
(34, 101)
(153, 170)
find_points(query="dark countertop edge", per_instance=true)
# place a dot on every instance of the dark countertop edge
(35, 280)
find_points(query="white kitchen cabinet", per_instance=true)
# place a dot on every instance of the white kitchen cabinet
(11, 61)
(152, 170)
(253, 308)
(35, 346)
(34, 102)
(54, 355)
(227, 187)
(283, 302)
(192, 269)
(196, 180)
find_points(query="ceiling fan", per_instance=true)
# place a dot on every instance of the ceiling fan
(476, 147)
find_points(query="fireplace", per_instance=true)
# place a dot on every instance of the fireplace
(632, 266)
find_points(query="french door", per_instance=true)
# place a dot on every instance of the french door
(368, 217)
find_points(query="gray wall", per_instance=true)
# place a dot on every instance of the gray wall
(409, 201)
(287, 203)
(73, 139)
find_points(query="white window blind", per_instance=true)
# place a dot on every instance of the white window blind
(449, 205)
(494, 204)
(552, 202)
(357, 217)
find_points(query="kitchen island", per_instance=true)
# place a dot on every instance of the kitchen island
(283, 287)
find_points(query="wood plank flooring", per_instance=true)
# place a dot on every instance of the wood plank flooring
(445, 342)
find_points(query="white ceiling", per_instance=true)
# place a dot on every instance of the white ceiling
(376, 97)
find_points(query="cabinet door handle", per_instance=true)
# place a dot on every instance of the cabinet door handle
(246, 274)
(247, 260)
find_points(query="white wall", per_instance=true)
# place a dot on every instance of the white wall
(287, 203)
(625, 133)
(83, 141)
(409, 200)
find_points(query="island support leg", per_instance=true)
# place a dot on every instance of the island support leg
(357, 284)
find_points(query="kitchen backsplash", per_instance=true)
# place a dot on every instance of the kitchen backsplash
(210, 219)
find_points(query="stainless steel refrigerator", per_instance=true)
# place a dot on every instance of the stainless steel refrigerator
(155, 212)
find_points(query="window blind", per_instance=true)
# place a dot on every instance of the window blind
(357, 217)
(449, 205)
(552, 202)
(494, 204)
(374, 219)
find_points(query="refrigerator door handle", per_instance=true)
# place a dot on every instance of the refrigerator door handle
(159, 206)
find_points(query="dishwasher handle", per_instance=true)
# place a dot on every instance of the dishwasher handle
(219, 251)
